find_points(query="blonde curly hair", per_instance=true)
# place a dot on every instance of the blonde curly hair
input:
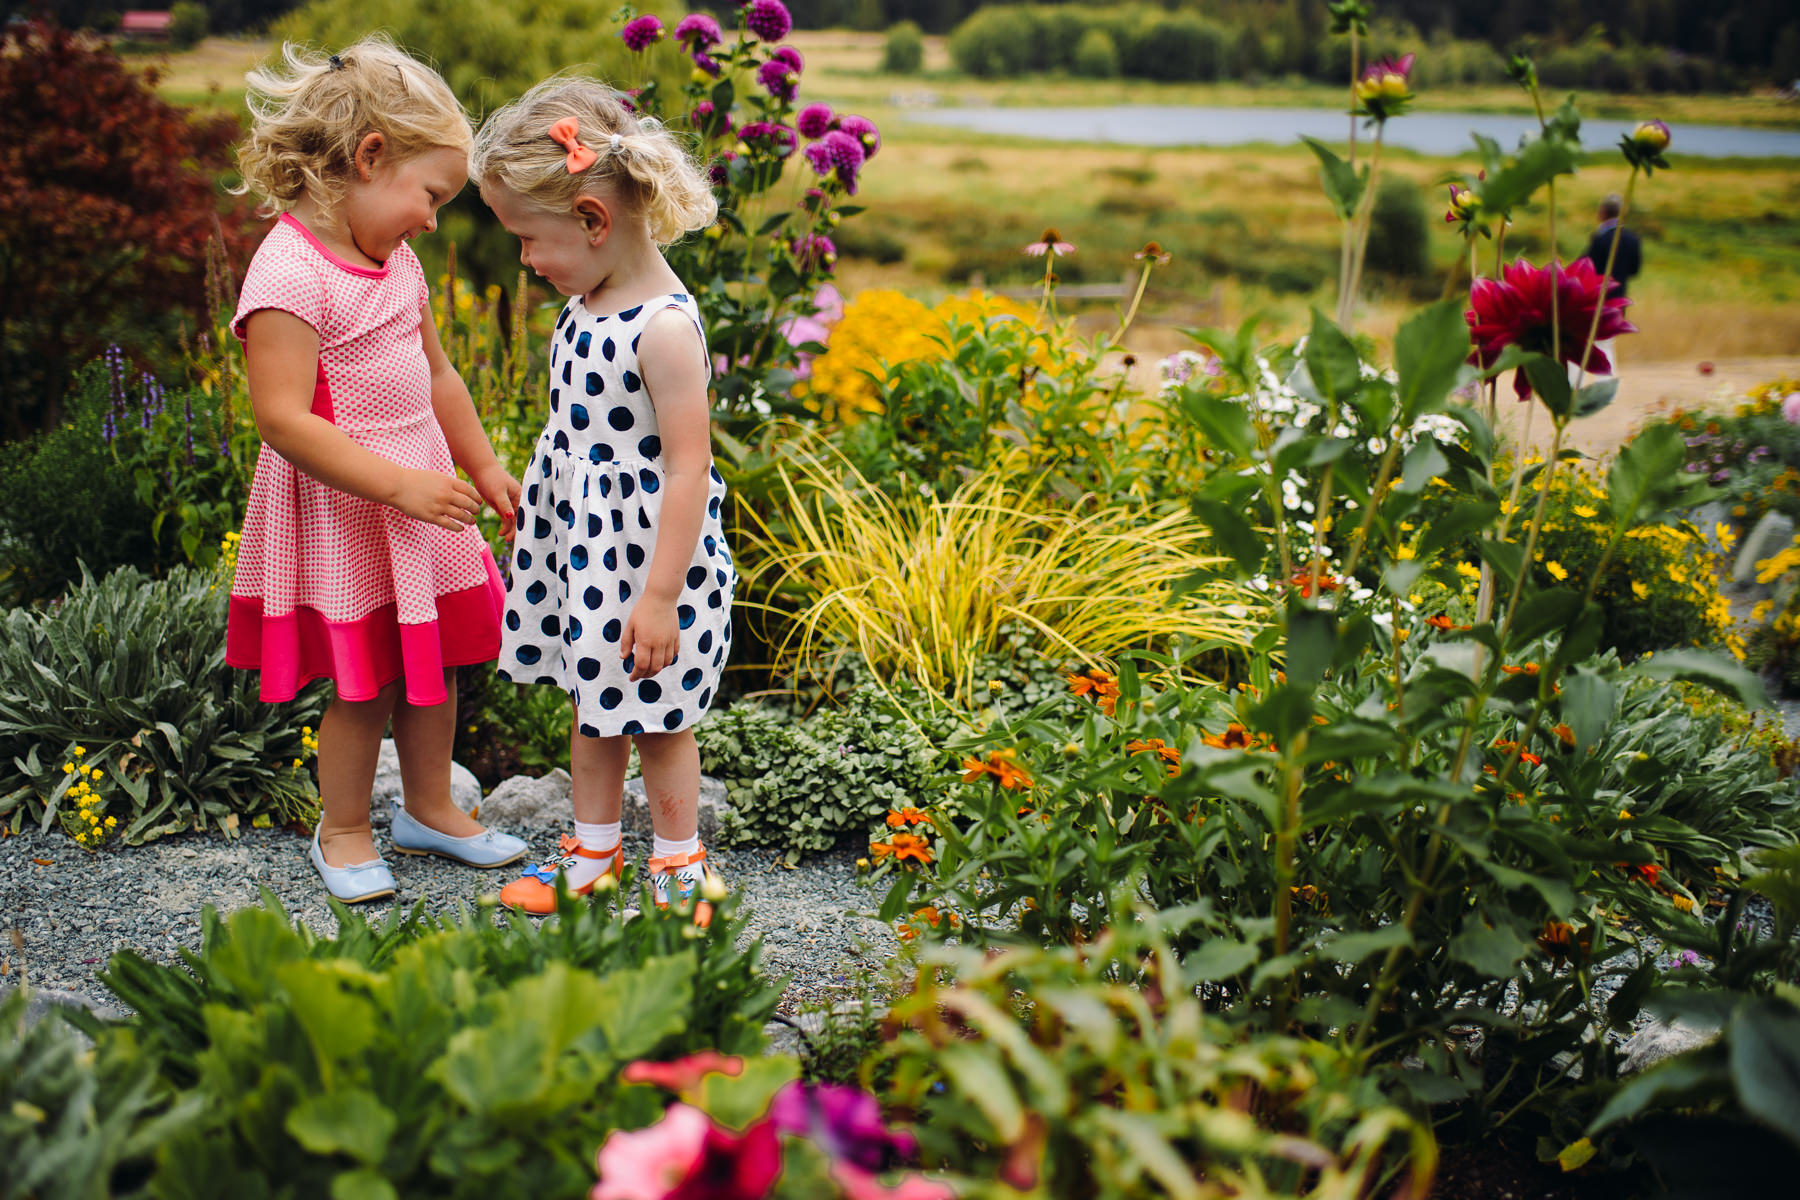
(309, 113)
(636, 157)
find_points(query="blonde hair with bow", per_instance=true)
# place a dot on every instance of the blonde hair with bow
(635, 158)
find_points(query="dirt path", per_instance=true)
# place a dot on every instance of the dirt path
(1648, 390)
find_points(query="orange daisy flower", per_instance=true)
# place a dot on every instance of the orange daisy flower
(1560, 940)
(1002, 766)
(1235, 737)
(1565, 734)
(1103, 686)
(1521, 669)
(1647, 872)
(1304, 581)
(1169, 754)
(897, 818)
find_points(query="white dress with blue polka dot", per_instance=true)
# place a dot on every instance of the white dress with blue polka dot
(587, 533)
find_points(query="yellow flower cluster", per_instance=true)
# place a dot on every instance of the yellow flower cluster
(309, 742)
(882, 328)
(1765, 398)
(91, 827)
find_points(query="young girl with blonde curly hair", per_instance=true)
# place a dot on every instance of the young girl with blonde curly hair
(360, 560)
(621, 585)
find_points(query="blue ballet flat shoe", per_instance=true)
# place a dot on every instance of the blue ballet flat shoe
(356, 883)
(486, 849)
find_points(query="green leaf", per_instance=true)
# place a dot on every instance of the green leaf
(1647, 470)
(1423, 463)
(1550, 380)
(1588, 701)
(351, 1121)
(1355, 947)
(1219, 959)
(1343, 183)
(1332, 361)
(1235, 535)
(1311, 641)
(1765, 1064)
(1226, 424)
(1430, 353)
(1595, 396)
(1492, 950)
(1536, 164)
(1463, 517)
(984, 1082)
(1673, 1080)
(1542, 612)
(1716, 671)
(362, 1184)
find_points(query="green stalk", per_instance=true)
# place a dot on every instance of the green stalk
(1366, 212)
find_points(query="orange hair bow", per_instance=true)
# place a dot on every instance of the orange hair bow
(565, 134)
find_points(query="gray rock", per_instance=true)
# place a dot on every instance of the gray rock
(526, 803)
(1662, 1039)
(44, 1001)
(1771, 535)
(465, 789)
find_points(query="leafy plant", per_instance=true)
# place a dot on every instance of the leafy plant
(133, 670)
(427, 1056)
(802, 785)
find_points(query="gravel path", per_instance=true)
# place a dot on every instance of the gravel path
(75, 908)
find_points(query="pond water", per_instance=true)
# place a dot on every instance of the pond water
(1429, 133)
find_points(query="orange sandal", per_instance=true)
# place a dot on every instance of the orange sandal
(663, 880)
(535, 891)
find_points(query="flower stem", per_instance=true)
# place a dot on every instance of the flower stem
(1359, 248)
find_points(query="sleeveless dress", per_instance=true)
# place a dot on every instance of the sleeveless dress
(328, 584)
(587, 534)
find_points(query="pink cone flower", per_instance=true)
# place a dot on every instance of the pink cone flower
(640, 33)
(1050, 243)
(1515, 310)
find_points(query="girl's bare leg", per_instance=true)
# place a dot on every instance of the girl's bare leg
(350, 736)
(423, 736)
(672, 782)
(597, 774)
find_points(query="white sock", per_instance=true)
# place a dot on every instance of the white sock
(580, 870)
(597, 837)
(661, 847)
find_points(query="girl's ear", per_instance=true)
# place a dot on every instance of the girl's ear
(369, 152)
(595, 217)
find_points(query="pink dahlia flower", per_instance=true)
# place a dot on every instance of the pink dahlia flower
(778, 79)
(791, 57)
(698, 31)
(864, 131)
(768, 19)
(640, 33)
(814, 120)
(1515, 310)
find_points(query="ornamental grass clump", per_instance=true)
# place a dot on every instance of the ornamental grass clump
(928, 587)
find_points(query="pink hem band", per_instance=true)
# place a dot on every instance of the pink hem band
(364, 656)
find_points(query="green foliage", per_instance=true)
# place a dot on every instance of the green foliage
(800, 785)
(133, 670)
(1399, 234)
(1096, 57)
(1100, 1071)
(74, 1123)
(503, 729)
(187, 24)
(904, 51)
(424, 1056)
(488, 53)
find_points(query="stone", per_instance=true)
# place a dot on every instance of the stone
(1769, 537)
(465, 789)
(523, 802)
(1661, 1040)
(44, 1001)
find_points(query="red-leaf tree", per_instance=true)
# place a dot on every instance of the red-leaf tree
(108, 195)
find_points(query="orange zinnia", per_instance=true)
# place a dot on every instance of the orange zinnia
(909, 845)
(1235, 737)
(906, 816)
(1304, 581)
(1648, 872)
(1168, 754)
(1566, 734)
(1001, 766)
(1103, 686)
(1522, 669)
(1559, 940)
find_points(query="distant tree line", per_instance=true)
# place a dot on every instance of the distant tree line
(222, 16)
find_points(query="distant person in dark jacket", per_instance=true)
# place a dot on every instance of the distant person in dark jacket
(1630, 258)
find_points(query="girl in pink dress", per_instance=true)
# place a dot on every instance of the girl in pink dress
(360, 560)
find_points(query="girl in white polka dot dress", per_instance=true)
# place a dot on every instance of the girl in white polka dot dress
(360, 561)
(621, 580)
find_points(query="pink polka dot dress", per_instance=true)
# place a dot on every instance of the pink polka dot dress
(330, 585)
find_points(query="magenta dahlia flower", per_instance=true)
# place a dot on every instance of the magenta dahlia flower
(814, 250)
(698, 31)
(864, 131)
(814, 120)
(837, 154)
(1385, 88)
(766, 135)
(1515, 310)
(791, 57)
(768, 19)
(720, 171)
(640, 33)
(708, 63)
(778, 79)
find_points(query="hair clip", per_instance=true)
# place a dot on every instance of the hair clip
(566, 133)
(337, 64)
(616, 143)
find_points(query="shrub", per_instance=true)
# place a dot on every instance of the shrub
(1399, 234)
(1177, 47)
(126, 679)
(996, 42)
(800, 785)
(427, 1056)
(187, 24)
(904, 51)
(107, 201)
(1096, 57)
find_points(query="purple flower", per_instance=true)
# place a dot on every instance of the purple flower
(707, 63)
(720, 171)
(814, 120)
(640, 33)
(187, 414)
(767, 136)
(768, 19)
(778, 79)
(864, 131)
(698, 31)
(814, 250)
(790, 56)
(843, 1121)
(838, 154)
(1718, 477)
(702, 115)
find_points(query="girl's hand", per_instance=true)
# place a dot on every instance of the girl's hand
(436, 498)
(651, 639)
(502, 492)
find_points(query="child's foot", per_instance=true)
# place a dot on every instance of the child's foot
(684, 879)
(483, 848)
(535, 891)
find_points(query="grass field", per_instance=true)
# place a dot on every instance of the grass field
(1248, 227)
